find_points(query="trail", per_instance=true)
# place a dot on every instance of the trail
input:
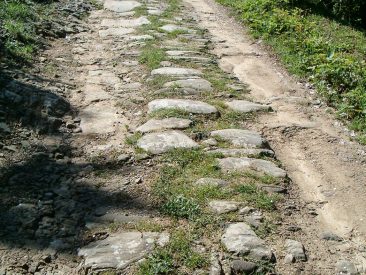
(185, 136)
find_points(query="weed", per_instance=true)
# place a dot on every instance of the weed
(260, 199)
(160, 262)
(141, 11)
(170, 112)
(151, 56)
(181, 207)
(132, 139)
(147, 225)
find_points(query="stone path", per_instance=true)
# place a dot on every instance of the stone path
(163, 165)
(238, 149)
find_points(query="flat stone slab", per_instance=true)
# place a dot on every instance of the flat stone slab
(100, 118)
(249, 164)
(198, 84)
(244, 106)
(120, 250)
(121, 6)
(158, 143)
(240, 239)
(222, 207)
(191, 106)
(173, 71)
(167, 123)
(142, 37)
(102, 77)
(240, 138)
(172, 28)
(95, 93)
(211, 182)
(228, 152)
(180, 53)
(125, 23)
(115, 32)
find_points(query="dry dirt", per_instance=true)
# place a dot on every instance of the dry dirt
(325, 166)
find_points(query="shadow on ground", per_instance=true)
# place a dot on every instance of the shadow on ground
(47, 189)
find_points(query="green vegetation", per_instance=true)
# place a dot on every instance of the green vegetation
(178, 253)
(132, 139)
(181, 207)
(329, 54)
(18, 32)
(181, 198)
(151, 56)
(169, 112)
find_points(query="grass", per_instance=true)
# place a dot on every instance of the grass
(181, 198)
(132, 139)
(327, 53)
(168, 113)
(18, 27)
(178, 253)
(151, 56)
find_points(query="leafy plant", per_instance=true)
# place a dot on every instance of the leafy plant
(181, 207)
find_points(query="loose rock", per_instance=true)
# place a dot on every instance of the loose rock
(120, 250)
(211, 182)
(248, 164)
(241, 239)
(198, 84)
(222, 207)
(244, 106)
(121, 6)
(168, 123)
(296, 249)
(191, 106)
(243, 267)
(172, 71)
(158, 143)
(241, 138)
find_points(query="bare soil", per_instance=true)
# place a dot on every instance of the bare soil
(327, 168)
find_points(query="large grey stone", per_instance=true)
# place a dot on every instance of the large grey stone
(222, 207)
(180, 53)
(249, 164)
(125, 23)
(120, 250)
(158, 143)
(115, 32)
(239, 238)
(102, 77)
(167, 123)
(100, 118)
(229, 152)
(345, 267)
(173, 71)
(121, 6)
(240, 138)
(243, 267)
(95, 93)
(295, 249)
(191, 106)
(172, 28)
(198, 84)
(211, 182)
(244, 106)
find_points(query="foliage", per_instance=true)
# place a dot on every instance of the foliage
(178, 252)
(181, 207)
(17, 28)
(329, 54)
